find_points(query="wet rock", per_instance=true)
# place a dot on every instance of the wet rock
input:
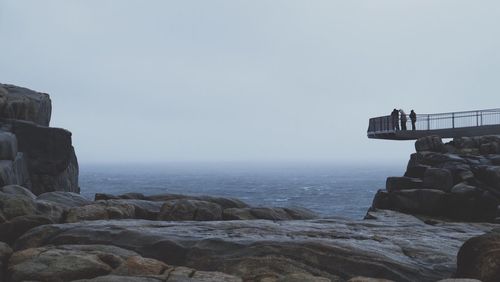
(479, 258)
(66, 199)
(190, 210)
(403, 183)
(430, 143)
(438, 178)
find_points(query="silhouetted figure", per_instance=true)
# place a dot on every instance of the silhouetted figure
(413, 118)
(404, 119)
(395, 119)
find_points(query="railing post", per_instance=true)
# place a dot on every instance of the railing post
(477, 118)
(428, 122)
(481, 118)
(453, 120)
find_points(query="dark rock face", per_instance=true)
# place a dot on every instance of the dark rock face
(479, 258)
(32, 154)
(459, 180)
(24, 104)
(430, 143)
(394, 246)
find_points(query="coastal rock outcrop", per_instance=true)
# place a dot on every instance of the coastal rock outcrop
(459, 180)
(32, 154)
(393, 246)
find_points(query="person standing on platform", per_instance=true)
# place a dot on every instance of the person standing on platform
(395, 119)
(404, 119)
(413, 118)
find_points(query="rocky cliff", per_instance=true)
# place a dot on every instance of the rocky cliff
(32, 154)
(459, 180)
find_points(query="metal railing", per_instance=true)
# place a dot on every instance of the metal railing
(385, 124)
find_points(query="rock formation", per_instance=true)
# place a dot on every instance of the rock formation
(32, 154)
(459, 180)
(61, 236)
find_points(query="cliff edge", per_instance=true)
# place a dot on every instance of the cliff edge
(459, 180)
(32, 154)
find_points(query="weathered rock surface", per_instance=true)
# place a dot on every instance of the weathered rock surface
(32, 154)
(24, 104)
(97, 263)
(394, 246)
(479, 258)
(459, 180)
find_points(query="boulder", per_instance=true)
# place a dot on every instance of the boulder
(66, 199)
(101, 210)
(15, 228)
(430, 143)
(17, 190)
(465, 190)
(190, 210)
(73, 262)
(438, 178)
(402, 183)
(237, 214)
(149, 210)
(417, 171)
(15, 205)
(418, 201)
(479, 258)
(490, 175)
(465, 143)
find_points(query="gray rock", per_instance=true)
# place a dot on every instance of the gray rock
(395, 247)
(438, 178)
(8, 146)
(13, 229)
(403, 183)
(479, 258)
(5, 252)
(464, 189)
(66, 199)
(417, 171)
(190, 210)
(17, 190)
(101, 210)
(24, 104)
(417, 201)
(430, 143)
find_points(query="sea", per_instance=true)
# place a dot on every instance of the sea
(331, 190)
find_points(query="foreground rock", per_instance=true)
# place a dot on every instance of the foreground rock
(459, 180)
(32, 154)
(479, 258)
(98, 263)
(394, 246)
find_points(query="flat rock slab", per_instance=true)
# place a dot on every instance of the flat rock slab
(392, 246)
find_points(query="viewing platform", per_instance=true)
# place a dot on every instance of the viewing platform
(446, 125)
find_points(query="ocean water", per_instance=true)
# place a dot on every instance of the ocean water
(328, 189)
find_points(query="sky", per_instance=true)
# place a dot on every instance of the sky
(248, 81)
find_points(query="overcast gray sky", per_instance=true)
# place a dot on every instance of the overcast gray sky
(161, 81)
